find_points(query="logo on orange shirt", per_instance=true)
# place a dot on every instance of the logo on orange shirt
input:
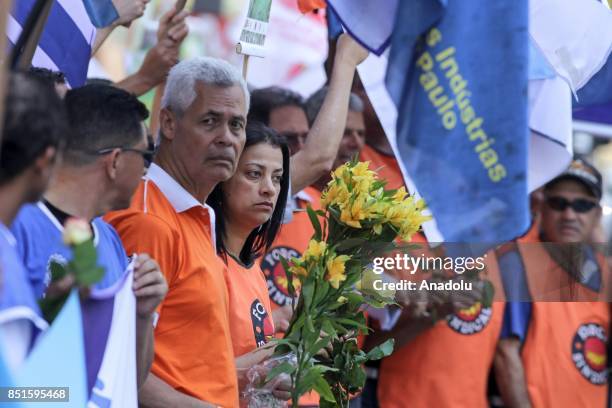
(589, 353)
(275, 273)
(471, 320)
(262, 326)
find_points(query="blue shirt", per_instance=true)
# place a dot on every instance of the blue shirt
(20, 317)
(39, 242)
(517, 313)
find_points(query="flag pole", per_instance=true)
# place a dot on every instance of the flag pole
(159, 90)
(5, 7)
(23, 52)
(245, 65)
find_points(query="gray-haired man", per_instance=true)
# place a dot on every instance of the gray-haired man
(202, 129)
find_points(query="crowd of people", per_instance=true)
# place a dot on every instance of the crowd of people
(204, 210)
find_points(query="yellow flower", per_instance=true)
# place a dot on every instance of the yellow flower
(315, 249)
(400, 194)
(362, 169)
(336, 193)
(335, 270)
(350, 216)
(298, 270)
(377, 229)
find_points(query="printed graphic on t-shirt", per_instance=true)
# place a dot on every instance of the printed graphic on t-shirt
(262, 326)
(275, 273)
(589, 353)
(472, 320)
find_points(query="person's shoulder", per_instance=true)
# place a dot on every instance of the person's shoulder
(140, 231)
(29, 214)
(30, 224)
(106, 232)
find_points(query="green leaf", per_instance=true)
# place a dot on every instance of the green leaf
(328, 329)
(307, 293)
(488, 294)
(93, 275)
(286, 368)
(356, 376)
(347, 244)
(318, 345)
(84, 263)
(352, 323)
(382, 350)
(51, 307)
(321, 293)
(289, 276)
(314, 220)
(58, 271)
(308, 324)
(322, 388)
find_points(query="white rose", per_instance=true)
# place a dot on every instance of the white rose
(76, 231)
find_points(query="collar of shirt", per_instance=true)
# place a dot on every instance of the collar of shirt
(44, 207)
(180, 198)
(8, 235)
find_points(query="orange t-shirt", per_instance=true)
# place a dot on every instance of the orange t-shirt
(193, 348)
(386, 165)
(250, 312)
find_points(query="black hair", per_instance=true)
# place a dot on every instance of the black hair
(265, 100)
(261, 238)
(102, 116)
(47, 75)
(98, 81)
(34, 120)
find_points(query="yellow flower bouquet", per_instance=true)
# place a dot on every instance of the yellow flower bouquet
(359, 220)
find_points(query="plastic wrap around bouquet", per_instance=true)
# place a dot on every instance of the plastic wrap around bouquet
(359, 220)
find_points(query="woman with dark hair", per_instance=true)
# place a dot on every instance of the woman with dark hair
(249, 209)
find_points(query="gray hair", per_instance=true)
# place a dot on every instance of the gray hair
(180, 92)
(315, 101)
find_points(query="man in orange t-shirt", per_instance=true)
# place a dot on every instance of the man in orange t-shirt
(202, 129)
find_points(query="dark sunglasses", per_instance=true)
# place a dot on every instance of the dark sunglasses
(147, 155)
(579, 205)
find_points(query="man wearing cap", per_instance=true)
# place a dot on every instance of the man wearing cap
(553, 346)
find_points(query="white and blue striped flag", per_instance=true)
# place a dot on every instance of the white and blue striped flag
(66, 42)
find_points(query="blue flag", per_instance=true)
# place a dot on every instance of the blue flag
(58, 359)
(66, 41)
(101, 12)
(458, 76)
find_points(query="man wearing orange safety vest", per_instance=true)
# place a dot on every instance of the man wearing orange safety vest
(553, 347)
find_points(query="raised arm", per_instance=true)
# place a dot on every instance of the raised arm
(317, 156)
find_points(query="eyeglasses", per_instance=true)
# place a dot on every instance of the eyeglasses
(147, 155)
(579, 205)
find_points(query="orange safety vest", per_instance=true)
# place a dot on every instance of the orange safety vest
(565, 351)
(447, 365)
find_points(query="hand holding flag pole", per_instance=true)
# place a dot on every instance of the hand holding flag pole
(179, 6)
(5, 7)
